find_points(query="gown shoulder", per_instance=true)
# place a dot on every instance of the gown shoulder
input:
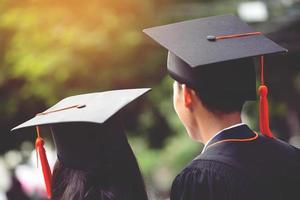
(210, 180)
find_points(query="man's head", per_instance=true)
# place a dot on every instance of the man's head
(212, 91)
(192, 105)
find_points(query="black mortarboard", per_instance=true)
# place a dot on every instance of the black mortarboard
(214, 54)
(83, 126)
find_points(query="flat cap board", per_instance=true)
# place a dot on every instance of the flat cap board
(92, 107)
(188, 40)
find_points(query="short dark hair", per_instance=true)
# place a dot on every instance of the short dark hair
(220, 104)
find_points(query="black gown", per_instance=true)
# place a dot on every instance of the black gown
(239, 164)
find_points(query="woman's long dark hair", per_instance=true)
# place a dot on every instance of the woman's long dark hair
(117, 177)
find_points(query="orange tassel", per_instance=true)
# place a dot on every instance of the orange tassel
(263, 105)
(39, 145)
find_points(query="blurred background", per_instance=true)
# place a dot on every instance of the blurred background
(53, 49)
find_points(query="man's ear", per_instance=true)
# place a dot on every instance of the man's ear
(187, 96)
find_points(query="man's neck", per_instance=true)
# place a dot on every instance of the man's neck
(211, 124)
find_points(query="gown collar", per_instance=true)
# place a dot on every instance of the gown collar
(236, 133)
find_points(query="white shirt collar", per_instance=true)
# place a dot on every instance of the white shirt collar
(233, 126)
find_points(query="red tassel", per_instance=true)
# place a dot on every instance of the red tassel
(39, 145)
(262, 90)
(263, 105)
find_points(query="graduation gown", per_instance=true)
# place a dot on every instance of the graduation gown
(239, 164)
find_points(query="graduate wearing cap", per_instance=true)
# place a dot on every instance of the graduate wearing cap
(94, 158)
(212, 61)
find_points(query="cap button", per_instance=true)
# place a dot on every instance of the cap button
(211, 38)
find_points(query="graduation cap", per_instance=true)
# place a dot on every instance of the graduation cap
(216, 55)
(76, 123)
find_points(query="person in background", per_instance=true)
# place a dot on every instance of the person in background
(94, 158)
(212, 61)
